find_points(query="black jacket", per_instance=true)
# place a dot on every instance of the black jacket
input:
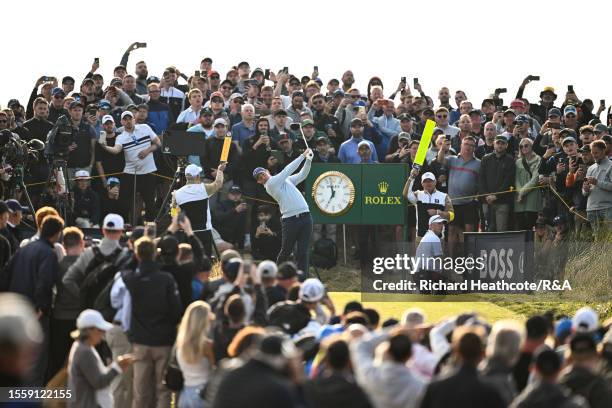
(12, 236)
(335, 390)
(588, 384)
(462, 389)
(39, 128)
(547, 395)
(34, 270)
(497, 174)
(86, 205)
(259, 385)
(183, 274)
(252, 158)
(230, 224)
(212, 156)
(156, 305)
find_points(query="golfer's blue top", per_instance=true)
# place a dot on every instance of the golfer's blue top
(282, 187)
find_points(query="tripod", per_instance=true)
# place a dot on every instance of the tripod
(17, 184)
(177, 181)
(59, 168)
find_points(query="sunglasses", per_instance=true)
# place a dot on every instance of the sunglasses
(216, 100)
(441, 116)
(570, 115)
(354, 96)
(3, 120)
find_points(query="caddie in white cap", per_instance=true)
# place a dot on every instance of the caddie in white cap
(428, 201)
(193, 200)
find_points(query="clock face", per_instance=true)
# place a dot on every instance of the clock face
(333, 193)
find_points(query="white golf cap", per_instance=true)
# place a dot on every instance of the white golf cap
(267, 269)
(219, 121)
(312, 290)
(585, 320)
(193, 170)
(113, 222)
(436, 219)
(92, 318)
(428, 176)
(363, 143)
(127, 113)
(82, 175)
(106, 118)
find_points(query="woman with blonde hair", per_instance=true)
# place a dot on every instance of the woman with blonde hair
(194, 353)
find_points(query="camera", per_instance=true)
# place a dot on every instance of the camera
(501, 90)
(60, 137)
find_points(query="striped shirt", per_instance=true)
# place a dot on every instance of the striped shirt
(282, 187)
(133, 143)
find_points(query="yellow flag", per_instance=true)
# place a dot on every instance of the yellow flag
(226, 148)
(424, 143)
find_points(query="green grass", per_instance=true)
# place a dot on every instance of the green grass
(435, 311)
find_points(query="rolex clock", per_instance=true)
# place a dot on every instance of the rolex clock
(333, 193)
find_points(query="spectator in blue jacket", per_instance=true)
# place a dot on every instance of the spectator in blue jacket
(348, 152)
(160, 114)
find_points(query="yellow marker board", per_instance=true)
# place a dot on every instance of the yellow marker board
(226, 148)
(424, 143)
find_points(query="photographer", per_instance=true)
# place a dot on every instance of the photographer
(74, 139)
(266, 241)
(110, 201)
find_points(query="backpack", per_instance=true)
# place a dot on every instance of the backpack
(99, 274)
(324, 253)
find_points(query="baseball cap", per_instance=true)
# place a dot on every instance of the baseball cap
(113, 222)
(585, 149)
(338, 92)
(509, 112)
(127, 113)
(307, 122)
(585, 320)
(600, 127)
(217, 94)
(116, 81)
(236, 95)
(541, 221)
(517, 103)
(214, 73)
(403, 135)
(333, 81)
(75, 104)
(206, 111)
(104, 104)
(87, 81)
(428, 176)
(312, 290)
(356, 121)
(92, 318)
(153, 79)
(256, 70)
(323, 139)
(82, 175)
(258, 171)
(106, 118)
(58, 91)
(568, 139)
(235, 189)
(193, 170)
(563, 328)
(220, 121)
(267, 269)
(476, 112)
(488, 100)
(569, 109)
(436, 219)
(428, 111)
(14, 206)
(284, 137)
(501, 138)
(438, 130)
(568, 132)
(554, 112)
(404, 116)
(112, 181)
(522, 119)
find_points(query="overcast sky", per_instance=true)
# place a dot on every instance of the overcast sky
(475, 47)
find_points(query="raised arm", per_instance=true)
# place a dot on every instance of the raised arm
(287, 171)
(212, 188)
(301, 176)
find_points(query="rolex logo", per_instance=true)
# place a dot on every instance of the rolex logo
(383, 186)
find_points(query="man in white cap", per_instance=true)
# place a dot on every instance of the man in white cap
(96, 257)
(295, 215)
(429, 251)
(138, 142)
(193, 200)
(429, 202)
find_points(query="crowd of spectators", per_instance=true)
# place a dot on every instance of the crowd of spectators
(146, 323)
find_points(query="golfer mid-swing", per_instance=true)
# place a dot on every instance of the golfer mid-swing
(296, 221)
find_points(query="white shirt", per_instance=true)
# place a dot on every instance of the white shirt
(133, 143)
(429, 248)
(194, 374)
(188, 116)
